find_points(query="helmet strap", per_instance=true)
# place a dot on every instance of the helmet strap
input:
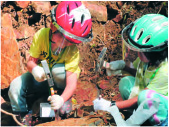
(50, 37)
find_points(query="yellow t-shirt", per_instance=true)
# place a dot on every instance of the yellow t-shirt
(160, 81)
(40, 49)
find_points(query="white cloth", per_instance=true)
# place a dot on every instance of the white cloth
(101, 104)
(38, 73)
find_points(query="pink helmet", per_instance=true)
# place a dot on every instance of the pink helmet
(73, 19)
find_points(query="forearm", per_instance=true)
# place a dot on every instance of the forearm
(71, 83)
(131, 103)
(132, 71)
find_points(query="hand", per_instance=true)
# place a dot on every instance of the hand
(117, 65)
(56, 101)
(101, 104)
(38, 73)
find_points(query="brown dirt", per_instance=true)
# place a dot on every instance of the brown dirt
(106, 34)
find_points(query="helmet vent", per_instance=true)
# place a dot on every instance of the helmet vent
(138, 36)
(146, 39)
(85, 29)
(82, 18)
(132, 33)
(164, 24)
(68, 9)
(157, 18)
(76, 4)
(73, 23)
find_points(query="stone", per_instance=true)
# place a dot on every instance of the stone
(22, 4)
(97, 11)
(41, 6)
(10, 55)
(24, 32)
(85, 93)
(118, 17)
(85, 121)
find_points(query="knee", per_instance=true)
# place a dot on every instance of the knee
(13, 90)
(122, 85)
(125, 86)
(126, 82)
(59, 75)
(143, 95)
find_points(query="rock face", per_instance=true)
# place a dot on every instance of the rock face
(85, 93)
(10, 55)
(41, 6)
(97, 11)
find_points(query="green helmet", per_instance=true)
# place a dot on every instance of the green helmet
(148, 33)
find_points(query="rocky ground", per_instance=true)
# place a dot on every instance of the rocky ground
(20, 20)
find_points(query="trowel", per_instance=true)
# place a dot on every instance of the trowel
(100, 60)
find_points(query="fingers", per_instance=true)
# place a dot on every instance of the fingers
(56, 101)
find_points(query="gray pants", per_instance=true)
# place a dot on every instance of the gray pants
(25, 86)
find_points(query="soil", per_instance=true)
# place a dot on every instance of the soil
(106, 34)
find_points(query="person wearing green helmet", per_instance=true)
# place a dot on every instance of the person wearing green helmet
(145, 57)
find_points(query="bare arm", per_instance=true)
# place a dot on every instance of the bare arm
(32, 62)
(71, 83)
(131, 103)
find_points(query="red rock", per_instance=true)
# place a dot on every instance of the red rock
(10, 55)
(22, 4)
(117, 97)
(118, 17)
(24, 31)
(97, 11)
(103, 84)
(107, 84)
(41, 6)
(119, 4)
(85, 93)
(85, 121)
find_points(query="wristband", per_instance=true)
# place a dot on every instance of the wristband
(113, 103)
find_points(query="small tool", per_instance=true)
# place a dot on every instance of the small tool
(100, 60)
(50, 82)
(99, 64)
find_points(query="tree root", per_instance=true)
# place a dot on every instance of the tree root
(14, 116)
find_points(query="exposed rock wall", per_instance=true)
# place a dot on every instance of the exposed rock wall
(10, 55)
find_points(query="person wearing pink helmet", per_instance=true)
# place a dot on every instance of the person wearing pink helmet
(71, 24)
